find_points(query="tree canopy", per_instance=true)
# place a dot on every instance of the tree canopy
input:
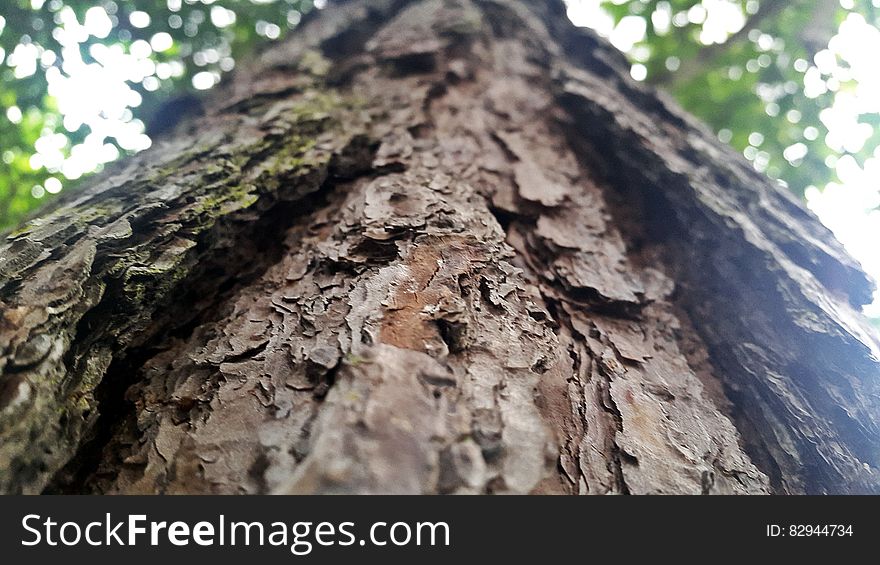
(774, 78)
(80, 79)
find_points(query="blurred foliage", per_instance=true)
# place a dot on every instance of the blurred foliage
(762, 89)
(156, 48)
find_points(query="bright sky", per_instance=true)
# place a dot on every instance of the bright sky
(848, 208)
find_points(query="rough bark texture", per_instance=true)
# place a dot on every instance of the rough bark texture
(435, 246)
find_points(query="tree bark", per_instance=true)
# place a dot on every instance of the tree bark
(435, 246)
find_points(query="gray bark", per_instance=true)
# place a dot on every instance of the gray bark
(435, 246)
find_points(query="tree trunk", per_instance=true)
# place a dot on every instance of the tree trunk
(435, 246)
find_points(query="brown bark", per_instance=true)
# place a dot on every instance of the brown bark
(435, 246)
